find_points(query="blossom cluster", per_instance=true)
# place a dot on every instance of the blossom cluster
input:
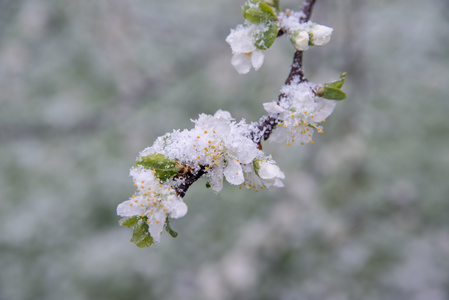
(217, 145)
(223, 148)
(263, 23)
(154, 201)
(220, 148)
(299, 113)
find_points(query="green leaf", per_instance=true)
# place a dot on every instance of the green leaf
(267, 8)
(164, 167)
(169, 229)
(265, 39)
(208, 185)
(274, 3)
(257, 12)
(129, 222)
(141, 237)
(331, 93)
(337, 84)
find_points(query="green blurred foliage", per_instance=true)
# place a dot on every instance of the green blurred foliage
(86, 85)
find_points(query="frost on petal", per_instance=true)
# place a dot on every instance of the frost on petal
(233, 172)
(272, 108)
(223, 114)
(129, 209)
(279, 135)
(241, 39)
(242, 148)
(216, 179)
(324, 108)
(257, 59)
(269, 171)
(156, 225)
(321, 34)
(178, 209)
(241, 62)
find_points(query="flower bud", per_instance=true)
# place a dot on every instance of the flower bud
(320, 34)
(300, 40)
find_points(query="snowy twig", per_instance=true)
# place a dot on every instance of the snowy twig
(218, 147)
(266, 123)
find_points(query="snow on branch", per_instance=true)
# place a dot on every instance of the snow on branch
(221, 148)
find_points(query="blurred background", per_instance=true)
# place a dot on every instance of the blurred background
(86, 85)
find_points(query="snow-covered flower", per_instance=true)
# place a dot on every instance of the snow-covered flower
(245, 53)
(223, 149)
(320, 34)
(153, 200)
(299, 112)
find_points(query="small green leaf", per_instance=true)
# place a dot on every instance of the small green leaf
(337, 84)
(129, 222)
(331, 93)
(266, 39)
(141, 237)
(169, 229)
(164, 167)
(267, 8)
(274, 3)
(208, 185)
(257, 12)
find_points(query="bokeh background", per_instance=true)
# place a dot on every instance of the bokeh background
(86, 85)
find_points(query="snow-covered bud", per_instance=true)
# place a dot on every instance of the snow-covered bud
(300, 40)
(269, 172)
(320, 34)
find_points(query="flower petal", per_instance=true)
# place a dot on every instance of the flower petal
(241, 62)
(233, 172)
(257, 59)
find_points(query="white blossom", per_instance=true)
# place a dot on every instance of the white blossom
(299, 112)
(153, 200)
(245, 53)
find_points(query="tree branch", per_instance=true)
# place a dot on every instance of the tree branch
(266, 124)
